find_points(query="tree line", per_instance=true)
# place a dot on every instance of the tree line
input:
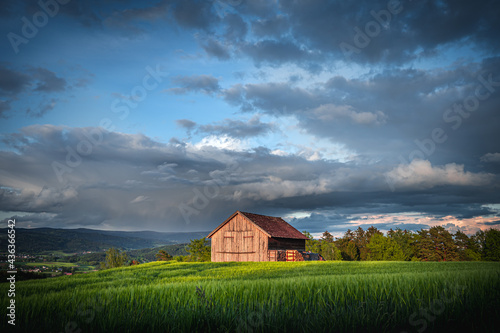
(434, 244)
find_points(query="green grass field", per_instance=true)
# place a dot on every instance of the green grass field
(265, 297)
(50, 264)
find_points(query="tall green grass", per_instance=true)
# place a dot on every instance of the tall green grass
(265, 297)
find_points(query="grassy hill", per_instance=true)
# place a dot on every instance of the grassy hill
(265, 297)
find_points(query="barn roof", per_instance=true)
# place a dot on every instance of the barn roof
(270, 225)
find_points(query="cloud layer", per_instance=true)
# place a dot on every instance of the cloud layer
(132, 181)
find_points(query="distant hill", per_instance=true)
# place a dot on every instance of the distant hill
(34, 241)
(141, 255)
(171, 237)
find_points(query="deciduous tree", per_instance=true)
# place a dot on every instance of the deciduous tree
(405, 240)
(199, 250)
(329, 251)
(327, 237)
(312, 244)
(384, 248)
(114, 258)
(162, 255)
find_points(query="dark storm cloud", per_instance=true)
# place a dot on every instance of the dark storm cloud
(216, 49)
(4, 108)
(186, 123)
(272, 98)
(276, 52)
(48, 86)
(42, 109)
(12, 81)
(375, 32)
(236, 29)
(378, 31)
(237, 128)
(147, 13)
(259, 8)
(96, 14)
(48, 81)
(84, 12)
(193, 14)
(6, 9)
(234, 128)
(198, 83)
(463, 202)
(271, 27)
(126, 20)
(392, 32)
(409, 27)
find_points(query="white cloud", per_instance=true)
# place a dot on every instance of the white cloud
(52, 196)
(279, 152)
(140, 198)
(222, 142)
(420, 174)
(274, 187)
(491, 157)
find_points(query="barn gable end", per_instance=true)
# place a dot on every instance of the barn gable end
(250, 237)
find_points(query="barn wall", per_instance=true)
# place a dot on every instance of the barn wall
(287, 244)
(239, 240)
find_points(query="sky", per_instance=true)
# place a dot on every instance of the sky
(171, 115)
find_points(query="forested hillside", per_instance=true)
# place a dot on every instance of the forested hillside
(36, 241)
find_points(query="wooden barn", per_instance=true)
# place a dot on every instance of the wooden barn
(253, 237)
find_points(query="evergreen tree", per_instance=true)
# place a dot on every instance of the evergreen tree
(491, 249)
(361, 241)
(424, 246)
(436, 244)
(347, 251)
(351, 252)
(466, 247)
